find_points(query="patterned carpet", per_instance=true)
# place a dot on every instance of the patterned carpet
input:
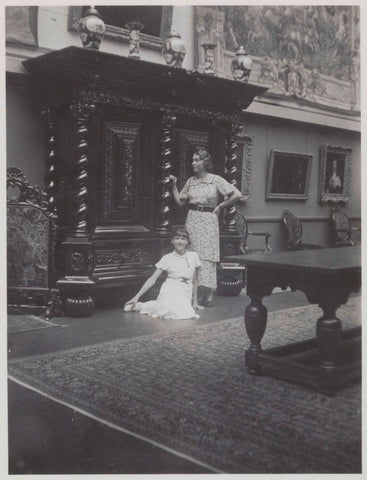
(23, 323)
(188, 391)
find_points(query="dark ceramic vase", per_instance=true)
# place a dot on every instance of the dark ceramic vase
(241, 66)
(174, 50)
(91, 29)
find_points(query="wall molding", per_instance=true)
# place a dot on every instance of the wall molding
(302, 219)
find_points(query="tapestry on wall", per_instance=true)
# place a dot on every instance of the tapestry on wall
(308, 52)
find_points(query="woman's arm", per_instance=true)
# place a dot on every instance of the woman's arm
(232, 199)
(176, 196)
(146, 286)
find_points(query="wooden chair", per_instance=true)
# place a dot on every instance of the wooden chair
(30, 252)
(232, 277)
(293, 227)
(343, 228)
(244, 232)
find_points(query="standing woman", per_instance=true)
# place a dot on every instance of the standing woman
(202, 192)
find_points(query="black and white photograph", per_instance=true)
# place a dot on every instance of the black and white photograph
(183, 218)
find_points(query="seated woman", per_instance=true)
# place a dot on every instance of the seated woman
(177, 298)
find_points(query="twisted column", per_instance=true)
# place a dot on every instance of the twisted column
(165, 170)
(231, 173)
(50, 175)
(81, 112)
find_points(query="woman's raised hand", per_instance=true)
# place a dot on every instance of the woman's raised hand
(173, 180)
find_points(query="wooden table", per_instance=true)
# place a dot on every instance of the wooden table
(327, 277)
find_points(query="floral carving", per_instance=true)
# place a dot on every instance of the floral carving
(82, 110)
(124, 135)
(19, 189)
(121, 256)
(173, 109)
(81, 261)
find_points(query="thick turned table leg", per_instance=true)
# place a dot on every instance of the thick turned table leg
(329, 338)
(255, 321)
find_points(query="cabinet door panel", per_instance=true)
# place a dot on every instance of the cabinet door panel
(121, 170)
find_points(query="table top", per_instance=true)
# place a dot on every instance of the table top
(326, 260)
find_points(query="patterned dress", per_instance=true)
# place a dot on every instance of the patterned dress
(203, 227)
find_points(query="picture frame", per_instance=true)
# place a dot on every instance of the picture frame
(288, 176)
(119, 34)
(335, 173)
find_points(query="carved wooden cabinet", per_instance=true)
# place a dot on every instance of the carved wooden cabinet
(117, 128)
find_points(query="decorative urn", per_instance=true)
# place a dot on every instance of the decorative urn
(91, 29)
(173, 49)
(241, 65)
(134, 38)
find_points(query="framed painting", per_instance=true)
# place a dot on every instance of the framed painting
(288, 176)
(335, 173)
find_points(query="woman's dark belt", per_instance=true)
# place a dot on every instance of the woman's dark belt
(200, 208)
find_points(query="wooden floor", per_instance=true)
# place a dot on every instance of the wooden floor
(48, 438)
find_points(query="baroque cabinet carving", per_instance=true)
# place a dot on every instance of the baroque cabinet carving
(117, 128)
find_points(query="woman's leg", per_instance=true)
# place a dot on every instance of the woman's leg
(209, 295)
(208, 280)
(201, 294)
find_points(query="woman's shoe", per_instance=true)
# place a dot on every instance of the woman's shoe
(207, 303)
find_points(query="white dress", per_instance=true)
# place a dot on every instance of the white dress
(175, 297)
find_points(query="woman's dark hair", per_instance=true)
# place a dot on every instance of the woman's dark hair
(206, 157)
(180, 232)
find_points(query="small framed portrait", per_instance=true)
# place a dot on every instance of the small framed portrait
(335, 173)
(288, 176)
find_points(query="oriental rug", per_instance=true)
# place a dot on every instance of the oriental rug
(24, 323)
(188, 392)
